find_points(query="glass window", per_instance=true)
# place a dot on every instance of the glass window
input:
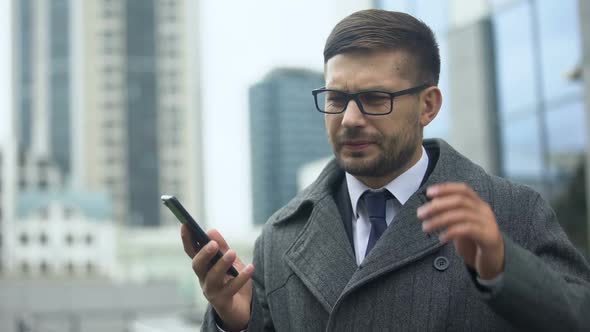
(24, 239)
(44, 267)
(514, 58)
(560, 46)
(43, 184)
(43, 238)
(522, 153)
(566, 136)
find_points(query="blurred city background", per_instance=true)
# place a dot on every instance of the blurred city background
(107, 104)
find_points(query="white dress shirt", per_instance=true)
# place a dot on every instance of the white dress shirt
(402, 187)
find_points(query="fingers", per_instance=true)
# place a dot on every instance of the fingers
(223, 246)
(202, 259)
(235, 284)
(462, 230)
(448, 219)
(451, 204)
(449, 188)
(216, 236)
(442, 204)
(215, 283)
(216, 277)
(190, 248)
(222, 265)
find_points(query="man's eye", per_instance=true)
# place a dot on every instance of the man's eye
(336, 99)
(374, 98)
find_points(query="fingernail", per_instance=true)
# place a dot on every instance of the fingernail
(431, 191)
(227, 257)
(249, 268)
(420, 211)
(425, 226)
(210, 248)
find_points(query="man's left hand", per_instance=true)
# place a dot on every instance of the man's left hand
(469, 222)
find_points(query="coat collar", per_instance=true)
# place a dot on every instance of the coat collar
(332, 174)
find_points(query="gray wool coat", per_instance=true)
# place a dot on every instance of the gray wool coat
(307, 278)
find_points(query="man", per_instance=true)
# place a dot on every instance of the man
(397, 233)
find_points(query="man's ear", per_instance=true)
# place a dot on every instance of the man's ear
(430, 103)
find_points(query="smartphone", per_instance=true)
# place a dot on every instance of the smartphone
(196, 231)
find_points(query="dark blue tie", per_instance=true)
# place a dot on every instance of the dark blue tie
(375, 203)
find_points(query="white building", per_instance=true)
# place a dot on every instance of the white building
(136, 70)
(63, 234)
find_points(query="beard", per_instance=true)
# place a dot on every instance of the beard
(395, 152)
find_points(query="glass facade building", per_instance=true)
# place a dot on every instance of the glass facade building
(59, 84)
(286, 133)
(541, 108)
(56, 80)
(537, 52)
(142, 106)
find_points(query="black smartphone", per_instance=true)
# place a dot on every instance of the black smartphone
(197, 232)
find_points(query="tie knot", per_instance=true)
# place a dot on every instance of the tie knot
(375, 203)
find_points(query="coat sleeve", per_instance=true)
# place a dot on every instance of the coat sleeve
(260, 319)
(546, 283)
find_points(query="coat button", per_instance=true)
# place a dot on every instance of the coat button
(441, 263)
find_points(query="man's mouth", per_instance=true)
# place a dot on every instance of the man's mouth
(357, 145)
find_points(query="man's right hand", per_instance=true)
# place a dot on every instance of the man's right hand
(230, 297)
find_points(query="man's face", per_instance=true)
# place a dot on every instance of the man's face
(370, 146)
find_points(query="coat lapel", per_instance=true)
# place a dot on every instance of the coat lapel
(402, 243)
(321, 256)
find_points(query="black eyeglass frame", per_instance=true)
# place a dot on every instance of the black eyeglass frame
(354, 96)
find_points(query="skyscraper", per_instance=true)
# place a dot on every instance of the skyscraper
(286, 132)
(108, 90)
(141, 123)
(42, 115)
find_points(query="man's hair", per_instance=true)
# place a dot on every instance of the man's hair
(375, 30)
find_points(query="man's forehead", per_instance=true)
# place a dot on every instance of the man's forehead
(400, 57)
(385, 68)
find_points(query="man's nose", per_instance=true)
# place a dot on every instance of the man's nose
(353, 117)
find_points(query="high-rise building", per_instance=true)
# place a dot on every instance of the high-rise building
(286, 132)
(141, 125)
(42, 114)
(108, 90)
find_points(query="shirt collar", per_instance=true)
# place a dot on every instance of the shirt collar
(402, 187)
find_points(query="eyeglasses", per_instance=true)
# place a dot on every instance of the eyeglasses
(372, 102)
